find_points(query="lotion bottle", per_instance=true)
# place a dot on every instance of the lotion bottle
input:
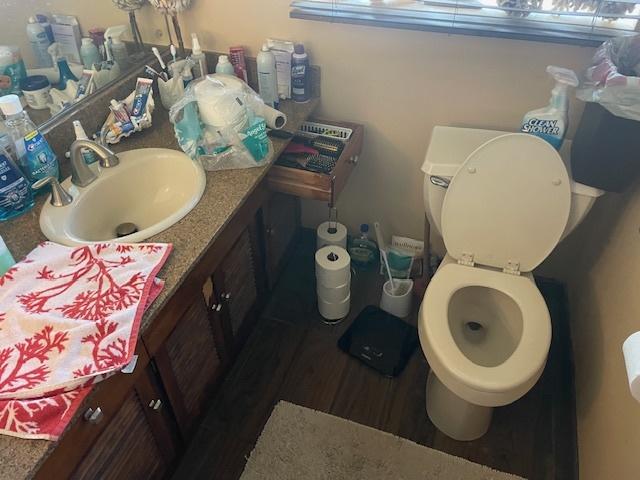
(267, 80)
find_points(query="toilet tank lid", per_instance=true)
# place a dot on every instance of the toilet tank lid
(449, 147)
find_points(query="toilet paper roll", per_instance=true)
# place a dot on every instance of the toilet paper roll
(334, 294)
(325, 235)
(631, 351)
(334, 311)
(333, 266)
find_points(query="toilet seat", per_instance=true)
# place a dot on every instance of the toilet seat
(525, 362)
(508, 205)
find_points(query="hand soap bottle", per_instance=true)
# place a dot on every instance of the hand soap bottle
(550, 123)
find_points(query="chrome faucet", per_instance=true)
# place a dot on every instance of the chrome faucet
(81, 174)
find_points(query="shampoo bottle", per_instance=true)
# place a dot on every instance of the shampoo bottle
(550, 122)
(267, 80)
(15, 190)
(33, 152)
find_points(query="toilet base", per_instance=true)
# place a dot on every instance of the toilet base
(454, 416)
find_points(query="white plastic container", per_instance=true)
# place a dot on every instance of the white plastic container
(36, 90)
(39, 40)
(118, 49)
(397, 302)
(267, 77)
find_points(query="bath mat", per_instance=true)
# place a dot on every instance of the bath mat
(301, 443)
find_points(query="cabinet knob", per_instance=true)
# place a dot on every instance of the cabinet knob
(216, 307)
(93, 416)
(226, 296)
(155, 404)
(354, 159)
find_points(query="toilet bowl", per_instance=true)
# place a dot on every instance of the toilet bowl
(484, 326)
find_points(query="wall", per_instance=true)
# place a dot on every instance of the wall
(605, 310)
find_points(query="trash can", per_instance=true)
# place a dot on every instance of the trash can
(605, 152)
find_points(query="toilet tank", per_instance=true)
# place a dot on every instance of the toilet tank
(449, 148)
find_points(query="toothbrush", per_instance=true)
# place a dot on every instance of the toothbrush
(173, 50)
(383, 254)
(162, 65)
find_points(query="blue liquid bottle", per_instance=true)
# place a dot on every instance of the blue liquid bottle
(15, 190)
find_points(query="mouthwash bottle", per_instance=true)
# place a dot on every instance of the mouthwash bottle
(363, 250)
(15, 190)
(6, 259)
(33, 152)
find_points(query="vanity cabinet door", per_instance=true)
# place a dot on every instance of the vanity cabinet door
(281, 226)
(139, 441)
(192, 358)
(239, 288)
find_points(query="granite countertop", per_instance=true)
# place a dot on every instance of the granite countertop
(191, 237)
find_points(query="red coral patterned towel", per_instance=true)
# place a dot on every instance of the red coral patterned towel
(69, 316)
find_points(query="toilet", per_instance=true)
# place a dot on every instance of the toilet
(501, 202)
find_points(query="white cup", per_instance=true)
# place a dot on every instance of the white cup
(397, 302)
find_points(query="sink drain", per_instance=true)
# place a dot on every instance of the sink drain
(125, 229)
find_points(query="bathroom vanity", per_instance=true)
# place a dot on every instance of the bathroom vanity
(228, 252)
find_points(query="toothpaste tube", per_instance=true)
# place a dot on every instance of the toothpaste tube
(143, 88)
(84, 84)
(118, 128)
(119, 111)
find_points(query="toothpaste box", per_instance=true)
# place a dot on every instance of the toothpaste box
(66, 31)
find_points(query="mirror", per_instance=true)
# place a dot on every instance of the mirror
(56, 54)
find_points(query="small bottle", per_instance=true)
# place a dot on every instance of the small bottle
(224, 65)
(6, 259)
(89, 53)
(16, 197)
(88, 155)
(300, 75)
(39, 40)
(34, 155)
(363, 250)
(267, 80)
(197, 55)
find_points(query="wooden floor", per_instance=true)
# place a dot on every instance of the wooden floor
(292, 355)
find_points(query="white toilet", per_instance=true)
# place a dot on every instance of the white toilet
(502, 202)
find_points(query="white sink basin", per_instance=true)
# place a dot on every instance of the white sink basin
(152, 188)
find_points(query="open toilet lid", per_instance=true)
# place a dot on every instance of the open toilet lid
(508, 204)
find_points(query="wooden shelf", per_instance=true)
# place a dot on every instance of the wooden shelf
(317, 186)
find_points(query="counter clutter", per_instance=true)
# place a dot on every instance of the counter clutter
(191, 237)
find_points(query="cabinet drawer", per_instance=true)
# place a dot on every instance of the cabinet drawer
(317, 186)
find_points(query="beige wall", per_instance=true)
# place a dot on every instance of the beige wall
(400, 84)
(605, 310)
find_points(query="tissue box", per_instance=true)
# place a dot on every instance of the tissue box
(66, 32)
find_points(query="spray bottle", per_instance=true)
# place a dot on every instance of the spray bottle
(118, 48)
(550, 122)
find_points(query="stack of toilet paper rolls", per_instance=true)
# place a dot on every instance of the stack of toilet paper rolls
(333, 279)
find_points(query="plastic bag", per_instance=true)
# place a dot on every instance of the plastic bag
(613, 80)
(220, 116)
